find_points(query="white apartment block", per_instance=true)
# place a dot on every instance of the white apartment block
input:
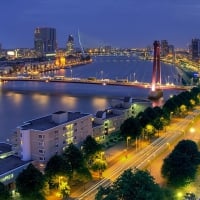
(41, 138)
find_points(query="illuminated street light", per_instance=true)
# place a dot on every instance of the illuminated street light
(127, 141)
(192, 130)
(71, 72)
(134, 76)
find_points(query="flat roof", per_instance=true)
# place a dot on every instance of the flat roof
(45, 123)
(5, 147)
(10, 163)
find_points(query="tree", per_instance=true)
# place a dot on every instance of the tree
(77, 163)
(181, 165)
(90, 147)
(57, 166)
(131, 128)
(132, 185)
(74, 156)
(99, 165)
(4, 192)
(149, 131)
(64, 189)
(30, 183)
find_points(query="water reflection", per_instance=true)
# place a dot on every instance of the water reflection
(16, 98)
(41, 100)
(99, 103)
(71, 102)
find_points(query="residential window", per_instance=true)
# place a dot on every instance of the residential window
(42, 158)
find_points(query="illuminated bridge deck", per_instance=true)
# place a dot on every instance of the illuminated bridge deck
(98, 82)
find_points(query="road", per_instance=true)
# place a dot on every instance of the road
(142, 158)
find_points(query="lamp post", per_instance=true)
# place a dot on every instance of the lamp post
(101, 74)
(71, 72)
(134, 76)
(127, 141)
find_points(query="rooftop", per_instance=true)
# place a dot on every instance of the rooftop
(4, 148)
(10, 163)
(46, 122)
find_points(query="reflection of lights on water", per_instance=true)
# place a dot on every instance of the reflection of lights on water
(17, 98)
(99, 103)
(69, 101)
(41, 99)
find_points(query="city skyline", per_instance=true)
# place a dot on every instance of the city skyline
(131, 23)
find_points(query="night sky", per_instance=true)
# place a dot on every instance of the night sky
(119, 23)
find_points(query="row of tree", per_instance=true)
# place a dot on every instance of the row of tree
(134, 184)
(149, 122)
(179, 168)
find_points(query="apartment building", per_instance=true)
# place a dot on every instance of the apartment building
(110, 120)
(41, 138)
(11, 165)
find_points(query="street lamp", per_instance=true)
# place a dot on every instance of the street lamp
(168, 79)
(127, 140)
(134, 76)
(101, 74)
(71, 72)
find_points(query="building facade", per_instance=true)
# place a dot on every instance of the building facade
(11, 165)
(110, 120)
(195, 48)
(45, 40)
(164, 48)
(70, 45)
(42, 138)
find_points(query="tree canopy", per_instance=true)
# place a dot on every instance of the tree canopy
(132, 185)
(181, 165)
(90, 147)
(4, 192)
(30, 183)
(74, 156)
(131, 127)
(57, 166)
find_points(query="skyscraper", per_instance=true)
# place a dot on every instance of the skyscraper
(0, 49)
(45, 40)
(195, 48)
(70, 45)
(164, 48)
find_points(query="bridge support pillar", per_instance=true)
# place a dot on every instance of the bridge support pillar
(156, 93)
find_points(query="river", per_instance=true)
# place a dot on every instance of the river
(23, 101)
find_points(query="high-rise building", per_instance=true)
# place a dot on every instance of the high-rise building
(0, 49)
(164, 48)
(171, 49)
(70, 45)
(195, 48)
(45, 40)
